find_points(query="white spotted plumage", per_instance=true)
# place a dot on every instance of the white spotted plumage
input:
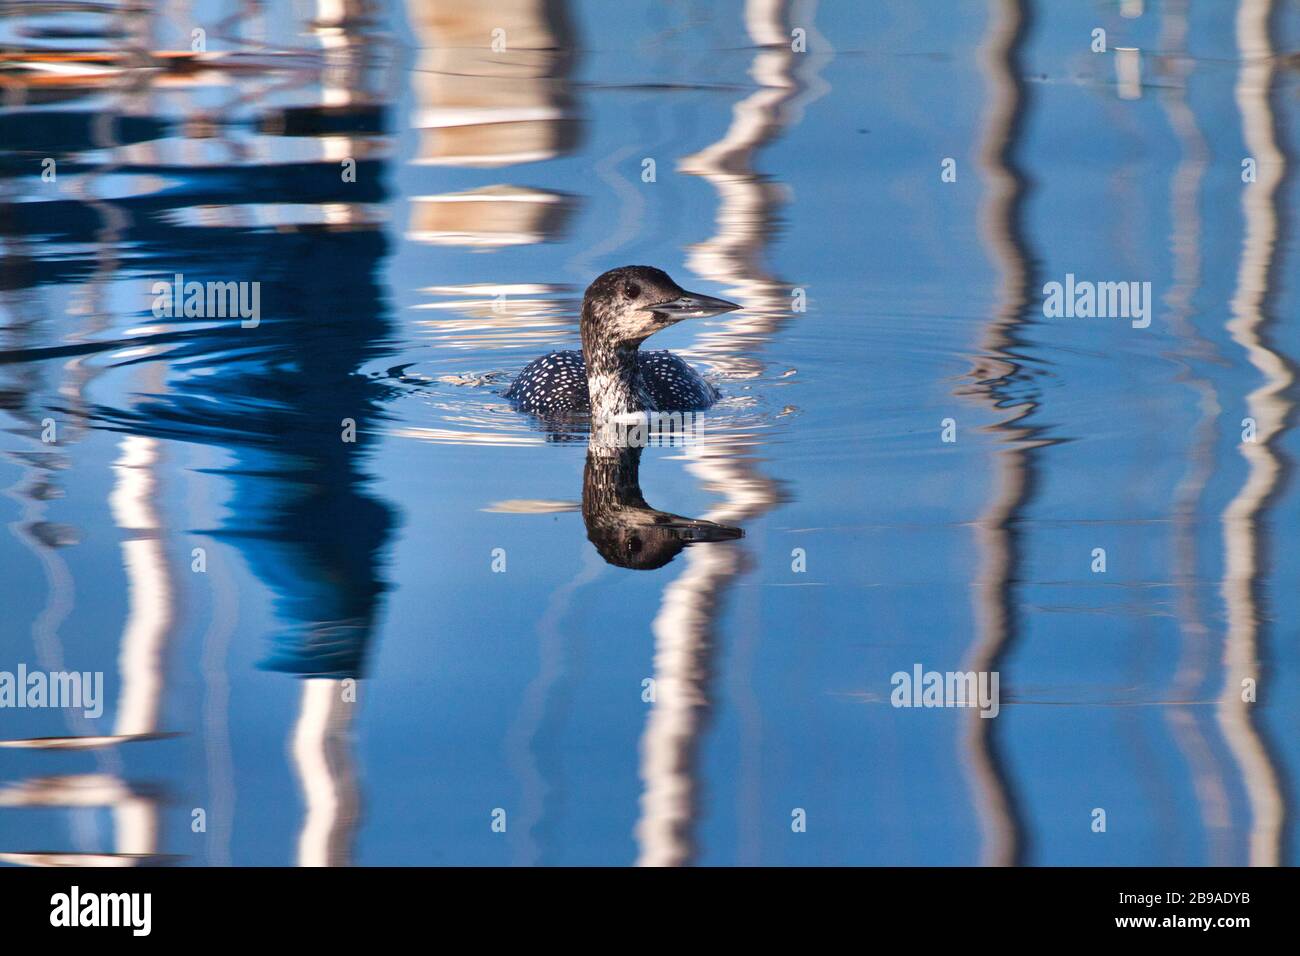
(610, 376)
(558, 382)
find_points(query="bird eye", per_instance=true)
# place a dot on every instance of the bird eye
(631, 290)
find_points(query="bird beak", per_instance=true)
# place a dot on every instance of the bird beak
(693, 305)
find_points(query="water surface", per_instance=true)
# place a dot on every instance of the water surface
(491, 185)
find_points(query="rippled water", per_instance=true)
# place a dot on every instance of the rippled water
(465, 573)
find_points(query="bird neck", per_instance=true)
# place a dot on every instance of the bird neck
(610, 480)
(614, 380)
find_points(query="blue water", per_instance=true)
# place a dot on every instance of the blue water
(395, 642)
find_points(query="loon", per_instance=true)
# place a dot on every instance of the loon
(610, 377)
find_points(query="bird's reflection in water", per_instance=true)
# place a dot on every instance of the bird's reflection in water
(628, 533)
(626, 530)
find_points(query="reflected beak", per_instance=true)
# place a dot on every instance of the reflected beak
(693, 305)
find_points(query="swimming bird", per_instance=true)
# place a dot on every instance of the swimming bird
(610, 376)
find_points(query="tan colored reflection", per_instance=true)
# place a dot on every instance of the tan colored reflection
(490, 81)
(88, 304)
(1269, 407)
(684, 632)
(144, 638)
(995, 540)
(322, 756)
(517, 316)
(749, 202)
(492, 90)
(131, 504)
(491, 216)
(135, 818)
(684, 629)
(149, 614)
(348, 83)
(1185, 245)
(149, 605)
